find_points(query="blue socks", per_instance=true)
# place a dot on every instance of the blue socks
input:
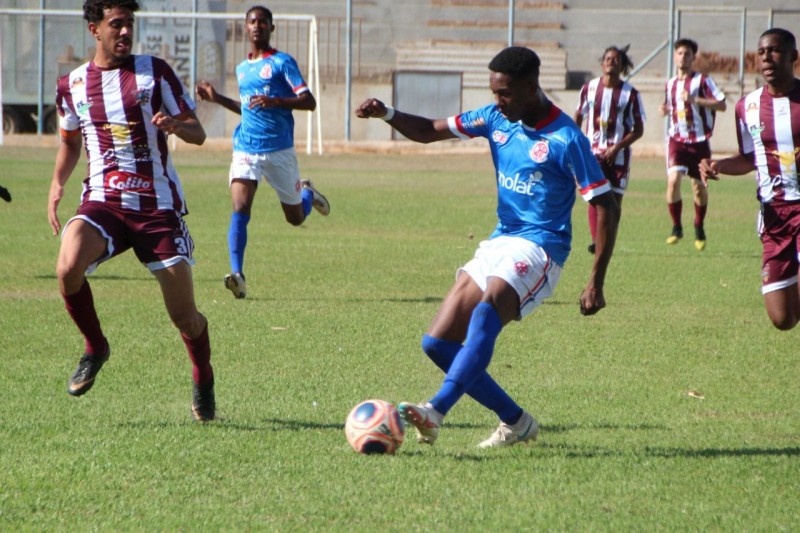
(469, 364)
(308, 201)
(237, 240)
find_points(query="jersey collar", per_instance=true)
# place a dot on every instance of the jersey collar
(552, 114)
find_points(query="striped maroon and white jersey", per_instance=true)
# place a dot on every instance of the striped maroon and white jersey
(691, 123)
(612, 114)
(128, 159)
(769, 133)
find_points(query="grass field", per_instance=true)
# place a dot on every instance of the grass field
(334, 315)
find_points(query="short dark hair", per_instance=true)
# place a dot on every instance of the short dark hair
(259, 8)
(624, 58)
(94, 10)
(688, 43)
(785, 37)
(516, 62)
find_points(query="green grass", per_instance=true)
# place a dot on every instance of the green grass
(334, 315)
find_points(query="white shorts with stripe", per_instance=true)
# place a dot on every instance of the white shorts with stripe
(279, 169)
(519, 262)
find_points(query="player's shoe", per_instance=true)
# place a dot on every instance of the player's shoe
(4, 194)
(425, 419)
(591, 248)
(235, 283)
(319, 202)
(204, 406)
(524, 430)
(83, 378)
(677, 234)
(699, 238)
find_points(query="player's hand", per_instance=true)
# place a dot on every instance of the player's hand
(592, 300)
(371, 108)
(708, 171)
(165, 123)
(54, 198)
(663, 109)
(206, 91)
(262, 100)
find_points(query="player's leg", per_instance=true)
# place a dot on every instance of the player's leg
(243, 192)
(675, 203)
(783, 307)
(298, 197)
(82, 244)
(177, 289)
(700, 193)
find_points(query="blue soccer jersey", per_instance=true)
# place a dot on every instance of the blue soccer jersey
(263, 130)
(538, 169)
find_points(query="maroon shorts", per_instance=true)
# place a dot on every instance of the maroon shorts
(159, 238)
(617, 175)
(686, 157)
(780, 235)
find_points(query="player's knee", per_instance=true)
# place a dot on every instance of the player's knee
(784, 322)
(190, 324)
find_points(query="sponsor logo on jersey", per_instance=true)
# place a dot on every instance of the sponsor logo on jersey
(266, 72)
(755, 131)
(142, 96)
(499, 137)
(125, 181)
(83, 108)
(518, 184)
(540, 151)
(474, 124)
(521, 268)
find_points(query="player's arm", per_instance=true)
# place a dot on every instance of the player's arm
(708, 103)
(737, 165)
(185, 125)
(304, 101)
(632, 136)
(414, 127)
(67, 156)
(578, 118)
(592, 299)
(206, 91)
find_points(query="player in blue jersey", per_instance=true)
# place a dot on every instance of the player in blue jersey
(270, 87)
(540, 157)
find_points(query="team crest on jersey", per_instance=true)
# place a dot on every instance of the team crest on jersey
(752, 107)
(83, 108)
(77, 82)
(540, 151)
(499, 137)
(266, 72)
(521, 268)
(765, 276)
(755, 131)
(142, 96)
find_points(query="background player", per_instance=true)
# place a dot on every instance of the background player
(692, 100)
(540, 156)
(616, 121)
(768, 122)
(125, 105)
(270, 87)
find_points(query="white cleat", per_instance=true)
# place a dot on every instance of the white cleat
(235, 283)
(507, 435)
(319, 202)
(425, 419)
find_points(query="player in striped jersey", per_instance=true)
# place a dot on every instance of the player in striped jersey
(615, 121)
(123, 106)
(691, 102)
(768, 131)
(540, 158)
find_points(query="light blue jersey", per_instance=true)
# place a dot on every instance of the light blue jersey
(538, 170)
(262, 130)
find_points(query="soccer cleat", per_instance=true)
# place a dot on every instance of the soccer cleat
(699, 238)
(83, 378)
(677, 234)
(204, 406)
(591, 248)
(319, 202)
(235, 283)
(425, 419)
(524, 430)
(4, 194)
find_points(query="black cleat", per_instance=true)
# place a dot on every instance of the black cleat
(699, 238)
(4, 194)
(677, 235)
(204, 406)
(88, 367)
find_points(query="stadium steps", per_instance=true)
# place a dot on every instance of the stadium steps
(473, 59)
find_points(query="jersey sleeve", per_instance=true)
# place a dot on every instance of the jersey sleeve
(68, 118)
(175, 97)
(712, 89)
(583, 102)
(292, 75)
(584, 168)
(743, 137)
(471, 124)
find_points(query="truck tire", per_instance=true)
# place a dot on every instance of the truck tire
(15, 122)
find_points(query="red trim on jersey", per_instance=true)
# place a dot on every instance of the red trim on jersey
(265, 55)
(593, 186)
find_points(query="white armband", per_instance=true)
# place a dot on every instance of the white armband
(389, 113)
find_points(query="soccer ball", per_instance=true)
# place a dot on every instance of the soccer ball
(374, 426)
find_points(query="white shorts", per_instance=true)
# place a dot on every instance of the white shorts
(519, 262)
(279, 169)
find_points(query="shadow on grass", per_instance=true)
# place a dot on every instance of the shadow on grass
(670, 453)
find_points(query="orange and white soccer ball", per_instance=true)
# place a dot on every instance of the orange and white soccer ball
(374, 426)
